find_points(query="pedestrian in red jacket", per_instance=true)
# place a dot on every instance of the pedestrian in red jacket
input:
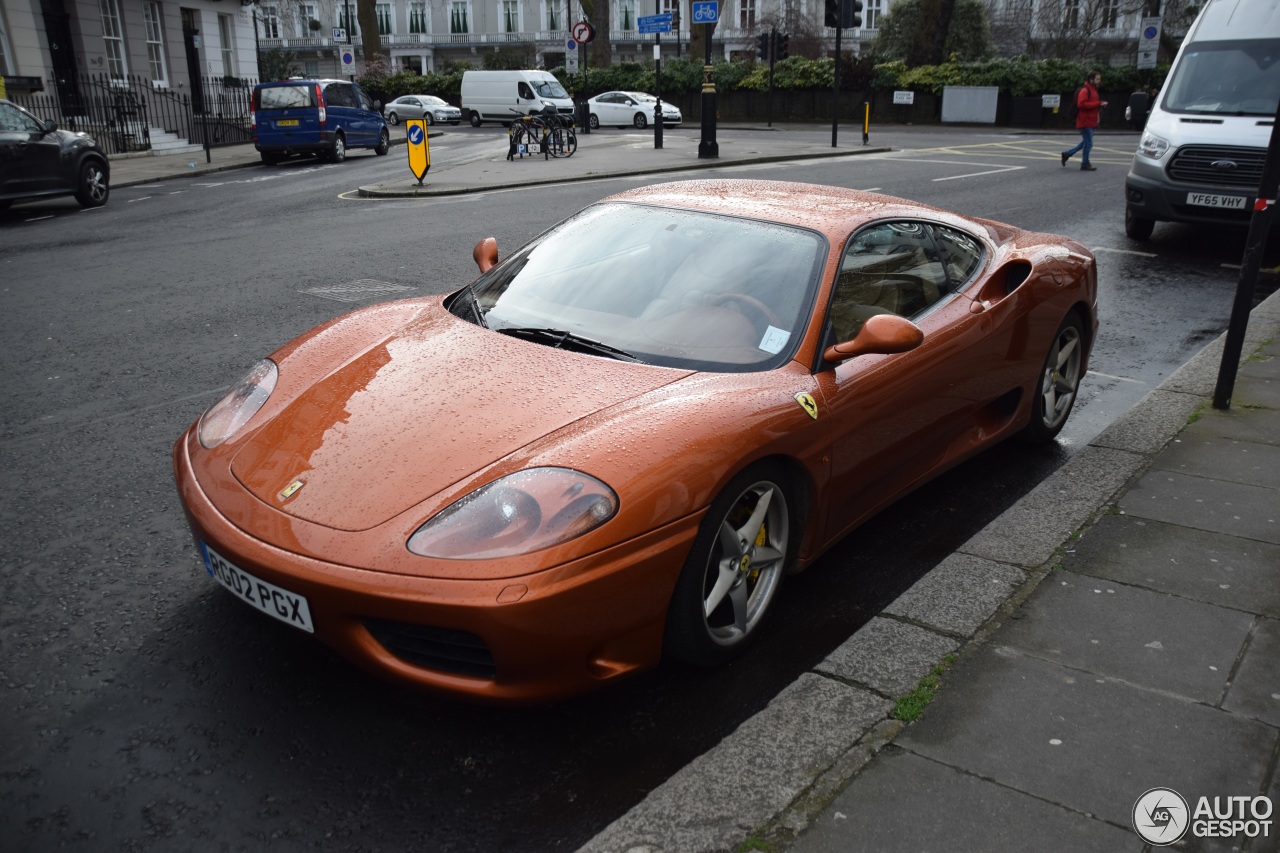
(1088, 103)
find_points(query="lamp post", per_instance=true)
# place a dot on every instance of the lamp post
(708, 148)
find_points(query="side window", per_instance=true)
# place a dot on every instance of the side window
(525, 92)
(887, 268)
(339, 95)
(365, 101)
(12, 118)
(961, 254)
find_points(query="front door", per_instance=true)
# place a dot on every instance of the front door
(190, 39)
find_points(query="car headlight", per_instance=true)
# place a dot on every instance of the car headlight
(1153, 146)
(225, 417)
(517, 514)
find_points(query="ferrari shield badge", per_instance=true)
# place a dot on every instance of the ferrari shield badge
(807, 403)
(290, 490)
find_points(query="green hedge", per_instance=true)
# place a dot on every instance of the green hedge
(1020, 77)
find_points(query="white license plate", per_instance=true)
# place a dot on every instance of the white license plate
(1231, 202)
(270, 599)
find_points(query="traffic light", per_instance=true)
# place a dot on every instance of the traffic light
(833, 13)
(762, 45)
(780, 46)
(851, 18)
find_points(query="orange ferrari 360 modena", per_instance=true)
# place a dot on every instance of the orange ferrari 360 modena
(616, 442)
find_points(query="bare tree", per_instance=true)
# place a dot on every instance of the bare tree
(367, 15)
(601, 49)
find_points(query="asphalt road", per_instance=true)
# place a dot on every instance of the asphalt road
(145, 709)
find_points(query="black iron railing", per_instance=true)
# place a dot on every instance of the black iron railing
(126, 114)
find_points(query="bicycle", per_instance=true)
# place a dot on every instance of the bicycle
(561, 140)
(525, 134)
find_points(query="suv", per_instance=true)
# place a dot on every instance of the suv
(37, 159)
(321, 117)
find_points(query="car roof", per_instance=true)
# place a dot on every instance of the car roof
(834, 211)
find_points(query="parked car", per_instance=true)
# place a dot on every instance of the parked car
(39, 160)
(427, 107)
(321, 117)
(504, 95)
(619, 440)
(634, 109)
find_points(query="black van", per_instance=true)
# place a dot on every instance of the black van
(321, 117)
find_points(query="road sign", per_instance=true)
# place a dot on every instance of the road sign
(583, 32)
(654, 23)
(339, 34)
(1146, 59)
(348, 60)
(705, 11)
(571, 63)
(415, 138)
(571, 45)
(1149, 34)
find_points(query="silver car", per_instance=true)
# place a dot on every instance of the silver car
(427, 107)
(629, 108)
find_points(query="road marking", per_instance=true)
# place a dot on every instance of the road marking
(38, 218)
(979, 174)
(132, 200)
(1116, 378)
(1267, 270)
(1097, 249)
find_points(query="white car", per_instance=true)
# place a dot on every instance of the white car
(629, 108)
(429, 107)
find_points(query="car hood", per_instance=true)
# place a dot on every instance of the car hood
(437, 401)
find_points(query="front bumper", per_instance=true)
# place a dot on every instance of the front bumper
(537, 637)
(1151, 194)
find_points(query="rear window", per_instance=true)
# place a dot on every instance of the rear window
(285, 97)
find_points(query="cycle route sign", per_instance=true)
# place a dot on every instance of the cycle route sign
(705, 11)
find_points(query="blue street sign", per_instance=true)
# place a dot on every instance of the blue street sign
(706, 11)
(415, 134)
(654, 23)
(571, 45)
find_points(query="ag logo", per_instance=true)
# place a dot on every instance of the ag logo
(807, 403)
(1161, 816)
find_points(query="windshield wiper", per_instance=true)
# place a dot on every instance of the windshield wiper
(561, 339)
(476, 311)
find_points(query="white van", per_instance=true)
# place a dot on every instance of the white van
(501, 95)
(1201, 155)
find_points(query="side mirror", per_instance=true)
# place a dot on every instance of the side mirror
(882, 334)
(50, 126)
(486, 254)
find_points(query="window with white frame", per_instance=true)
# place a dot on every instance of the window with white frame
(228, 48)
(747, 14)
(270, 22)
(1110, 14)
(383, 11)
(626, 14)
(418, 18)
(554, 17)
(671, 7)
(307, 14)
(458, 17)
(347, 18)
(1071, 14)
(871, 16)
(113, 38)
(154, 24)
(510, 16)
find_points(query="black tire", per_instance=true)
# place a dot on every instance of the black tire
(1057, 383)
(429, 119)
(475, 119)
(384, 143)
(593, 121)
(338, 150)
(641, 121)
(270, 159)
(94, 187)
(1137, 227)
(393, 119)
(729, 570)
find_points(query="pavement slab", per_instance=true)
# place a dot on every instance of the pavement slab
(957, 811)
(1203, 451)
(1145, 638)
(960, 594)
(1089, 743)
(1255, 690)
(1195, 564)
(1237, 509)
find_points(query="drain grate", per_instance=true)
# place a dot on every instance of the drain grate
(358, 290)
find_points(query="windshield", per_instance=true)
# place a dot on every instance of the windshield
(670, 287)
(1226, 78)
(550, 89)
(432, 100)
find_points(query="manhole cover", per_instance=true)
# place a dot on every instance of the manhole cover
(357, 291)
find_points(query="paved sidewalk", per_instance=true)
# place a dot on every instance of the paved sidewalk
(1117, 630)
